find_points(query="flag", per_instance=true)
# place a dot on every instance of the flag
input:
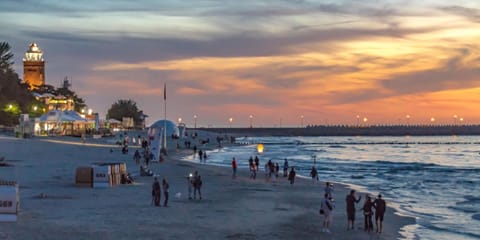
(164, 91)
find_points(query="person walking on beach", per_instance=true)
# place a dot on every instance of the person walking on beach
(200, 155)
(166, 188)
(257, 164)
(234, 168)
(291, 176)
(197, 186)
(327, 207)
(136, 157)
(368, 213)
(314, 174)
(351, 200)
(380, 207)
(285, 167)
(190, 185)
(156, 192)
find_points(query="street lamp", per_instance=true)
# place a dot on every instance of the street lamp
(432, 120)
(230, 120)
(251, 119)
(301, 121)
(461, 121)
(90, 111)
(408, 119)
(179, 120)
(455, 119)
(365, 120)
(358, 120)
(195, 121)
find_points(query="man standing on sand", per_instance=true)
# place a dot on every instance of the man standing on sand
(166, 188)
(234, 168)
(327, 206)
(285, 167)
(291, 176)
(197, 185)
(351, 209)
(156, 192)
(380, 207)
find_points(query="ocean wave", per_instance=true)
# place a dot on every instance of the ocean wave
(476, 216)
(336, 146)
(463, 209)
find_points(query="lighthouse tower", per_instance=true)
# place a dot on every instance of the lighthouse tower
(34, 67)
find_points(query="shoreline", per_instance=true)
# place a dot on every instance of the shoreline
(231, 209)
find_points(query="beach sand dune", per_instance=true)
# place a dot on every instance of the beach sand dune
(52, 207)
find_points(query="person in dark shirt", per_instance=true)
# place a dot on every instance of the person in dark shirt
(368, 213)
(380, 207)
(156, 192)
(166, 188)
(351, 200)
(291, 176)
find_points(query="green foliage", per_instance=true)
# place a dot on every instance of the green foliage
(5, 57)
(125, 108)
(13, 92)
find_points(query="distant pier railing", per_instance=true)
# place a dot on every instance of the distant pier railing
(348, 130)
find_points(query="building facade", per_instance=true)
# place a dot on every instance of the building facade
(34, 67)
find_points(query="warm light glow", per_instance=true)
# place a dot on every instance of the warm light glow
(10, 106)
(90, 111)
(365, 119)
(432, 119)
(179, 120)
(83, 110)
(35, 108)
(408, 116)
(260, 148)
(230, 120)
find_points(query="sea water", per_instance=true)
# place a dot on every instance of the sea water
(434, 179)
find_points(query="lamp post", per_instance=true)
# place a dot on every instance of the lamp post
(301, 121)
(230, 120)
(432, 120)
(251, 119)
(358, 120)
(179, 120)
(461, 121)
(408, 119)
(365, 120)
(195, 121)
(455, 119)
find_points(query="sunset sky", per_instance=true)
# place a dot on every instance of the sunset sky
(276, 60)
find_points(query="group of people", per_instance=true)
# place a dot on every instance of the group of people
(156, 192)
(271, 169)
(369, 208)
(194, 182)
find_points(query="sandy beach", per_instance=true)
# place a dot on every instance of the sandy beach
(230, 209)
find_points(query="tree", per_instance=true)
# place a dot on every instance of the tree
(125, 108)
(5, 57)
(15, 98)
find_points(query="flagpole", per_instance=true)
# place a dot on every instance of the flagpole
(165, 119)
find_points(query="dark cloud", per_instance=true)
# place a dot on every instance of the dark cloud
(453, 75)
(470, 13)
